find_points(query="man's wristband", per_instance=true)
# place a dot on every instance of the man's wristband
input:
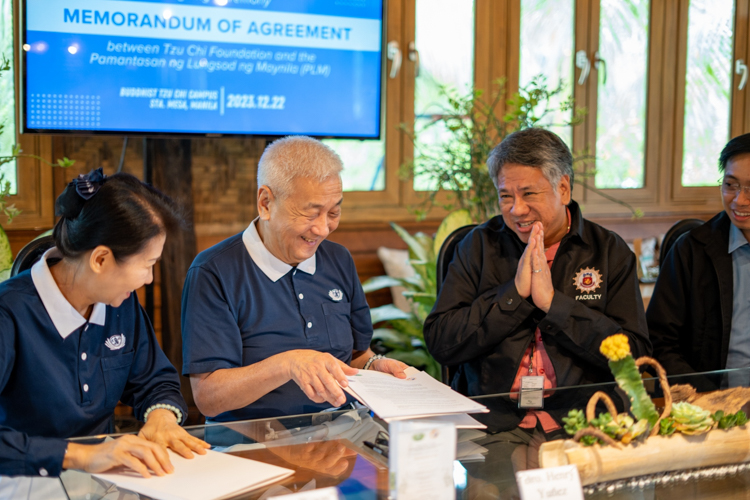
(372, 360)
(162, 406)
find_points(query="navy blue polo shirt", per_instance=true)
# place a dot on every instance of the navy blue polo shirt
(241, 305)
(61, 376)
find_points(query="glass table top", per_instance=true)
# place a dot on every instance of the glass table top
(327, 449)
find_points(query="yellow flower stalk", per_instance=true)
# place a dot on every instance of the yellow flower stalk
(617, 350)
(615, 347)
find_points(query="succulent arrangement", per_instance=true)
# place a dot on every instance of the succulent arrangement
(617, 429)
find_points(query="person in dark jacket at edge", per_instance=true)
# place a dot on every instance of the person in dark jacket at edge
(699, 313)
(507, 311)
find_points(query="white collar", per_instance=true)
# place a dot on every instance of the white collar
(266, 261)
(63, 315)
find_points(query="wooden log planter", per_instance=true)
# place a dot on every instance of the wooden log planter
(654, 454)
(599, 463)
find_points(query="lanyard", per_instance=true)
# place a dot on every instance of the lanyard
(531, 357)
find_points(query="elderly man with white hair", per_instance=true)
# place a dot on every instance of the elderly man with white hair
(274, 318)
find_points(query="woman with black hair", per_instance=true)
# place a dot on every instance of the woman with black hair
(74, 340)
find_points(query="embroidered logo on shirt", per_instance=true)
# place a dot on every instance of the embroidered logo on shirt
(336, 295)
(115, 342)
(587, 280)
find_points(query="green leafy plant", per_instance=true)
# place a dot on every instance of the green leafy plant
(401, 334)
(468, 129)
(625, 429)
(576, 421)
(667, 427)
(9, 209)
(729, 420)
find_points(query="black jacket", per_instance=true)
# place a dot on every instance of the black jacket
(690, 313)
(481, 323)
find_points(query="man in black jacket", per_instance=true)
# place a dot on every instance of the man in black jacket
(699, 313)
(505, 311)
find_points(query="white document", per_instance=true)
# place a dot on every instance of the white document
(460, 420)
(321, 494)
(419, 395)
(213, 476)
(558, 483)
(420, 461)
(470, 451)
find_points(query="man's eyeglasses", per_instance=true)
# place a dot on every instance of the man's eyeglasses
(731, 188)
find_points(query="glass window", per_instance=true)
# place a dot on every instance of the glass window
(707, 89)
(7, 99)
(445, 40)
(621, 99)
(364, 163)
(547, 43)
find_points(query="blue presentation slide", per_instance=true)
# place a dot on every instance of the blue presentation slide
(265, 67)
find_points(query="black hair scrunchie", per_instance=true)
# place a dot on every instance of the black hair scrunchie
(81, 189)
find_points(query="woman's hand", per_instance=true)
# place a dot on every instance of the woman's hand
(392, 366)
(162, 428)
(129, 451)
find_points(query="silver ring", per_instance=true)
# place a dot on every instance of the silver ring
(537, 270)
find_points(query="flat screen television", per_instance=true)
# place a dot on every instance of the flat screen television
(204, 67)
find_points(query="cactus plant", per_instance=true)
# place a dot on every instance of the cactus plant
(617, 350)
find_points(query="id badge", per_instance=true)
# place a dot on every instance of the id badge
(532, 392)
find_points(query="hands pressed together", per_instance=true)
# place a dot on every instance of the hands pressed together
(533, 277)
(145, 453)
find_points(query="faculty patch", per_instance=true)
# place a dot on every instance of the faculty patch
(587, 280)
(336, 295)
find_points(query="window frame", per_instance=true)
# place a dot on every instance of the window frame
(738, 117)
(496, 40)
(34, 180)
(496, 55)
(662, 192)
(587, 17)
(35, 192)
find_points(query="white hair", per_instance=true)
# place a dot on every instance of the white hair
(293, 157)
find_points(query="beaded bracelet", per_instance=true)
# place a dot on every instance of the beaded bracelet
(162, 406)
(372, 360)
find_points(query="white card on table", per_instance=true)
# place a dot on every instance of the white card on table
(321, 494)
(554, 483)
(420, 460)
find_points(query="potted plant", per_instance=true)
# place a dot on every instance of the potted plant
(10, 211)
(469, 128)
(402, 336)
(6, 208)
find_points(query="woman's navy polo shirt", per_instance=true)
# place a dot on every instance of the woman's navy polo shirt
(62, 376)
(239, 309)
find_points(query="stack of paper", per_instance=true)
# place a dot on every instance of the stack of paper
(213, 476)
(469, 451)
(417, 396)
